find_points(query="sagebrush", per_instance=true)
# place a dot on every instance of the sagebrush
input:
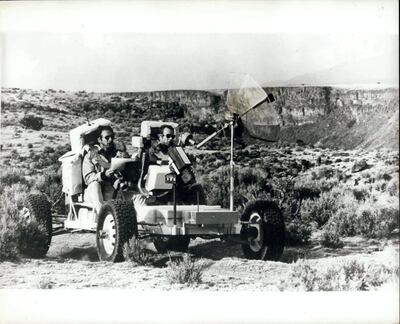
(18, 236)
(347, 275)
(136, 252)
(185, 271)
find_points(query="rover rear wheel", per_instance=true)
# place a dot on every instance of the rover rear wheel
(267, 228)
(115, 226)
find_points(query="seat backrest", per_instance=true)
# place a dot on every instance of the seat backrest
(86, 134)
(150, 129)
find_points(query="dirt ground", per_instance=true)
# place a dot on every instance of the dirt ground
(72, 262)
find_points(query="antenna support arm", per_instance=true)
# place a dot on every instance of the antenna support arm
(212, 136)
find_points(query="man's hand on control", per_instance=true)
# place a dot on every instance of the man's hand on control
(108, 173)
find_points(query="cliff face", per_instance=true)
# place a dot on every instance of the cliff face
(295, 105)
(333, 117)
(338, 117)
(306, 105)
(300, 105)
(198, 103)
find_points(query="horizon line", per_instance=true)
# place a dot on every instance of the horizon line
(272, 85)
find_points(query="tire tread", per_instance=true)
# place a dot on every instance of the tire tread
(40, 210)
(126, 227)
(273, 227)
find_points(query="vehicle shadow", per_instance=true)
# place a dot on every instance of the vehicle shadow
(82, 254)
(315, 250)
(75, 246)
(217, 250)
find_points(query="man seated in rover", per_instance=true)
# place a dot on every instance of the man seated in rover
(159, 153)
(97, 175)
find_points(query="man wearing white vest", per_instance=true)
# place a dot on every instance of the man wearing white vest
(96, 168)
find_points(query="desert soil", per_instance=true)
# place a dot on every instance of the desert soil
(72, 262)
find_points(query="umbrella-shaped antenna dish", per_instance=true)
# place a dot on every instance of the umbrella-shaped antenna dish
(244, 94)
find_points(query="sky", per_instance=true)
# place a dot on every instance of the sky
(169, 45)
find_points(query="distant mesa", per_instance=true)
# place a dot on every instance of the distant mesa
(379, 71)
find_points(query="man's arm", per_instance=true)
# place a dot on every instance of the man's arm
(90, 172)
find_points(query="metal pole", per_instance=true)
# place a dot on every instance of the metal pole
(174, 199)
(198, 200)
(231, 170)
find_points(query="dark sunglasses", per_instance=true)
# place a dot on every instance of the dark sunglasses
(109, 137)
(169, 136)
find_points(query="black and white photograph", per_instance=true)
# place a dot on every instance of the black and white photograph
(242, 155)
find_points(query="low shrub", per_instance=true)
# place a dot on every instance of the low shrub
(216, 187)
(22, 238)
(322, 172)
(331, 237)
(376, 217)
(14, 155)
(248, 176)
(32, 122)
(307, 192)
(134, 251)
(351, 122)
(298, 232)
(319, 210)
(9, 250)
(31, 236)
(11, 203)
(348, 275)
(393, 187)
(361, 194)
(45, 283)
(185, 271)
(10, 177)
(48, 149)
(344, 223)
(18, 236)
(302, 277)
(50, 184)
(320, 185)
(377, 221)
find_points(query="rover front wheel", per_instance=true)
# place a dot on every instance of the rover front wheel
(264, 232)
(115, 226)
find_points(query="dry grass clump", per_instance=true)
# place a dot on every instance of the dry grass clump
(45, 283)
(348, 275)
(134, 251)
(185, 271)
